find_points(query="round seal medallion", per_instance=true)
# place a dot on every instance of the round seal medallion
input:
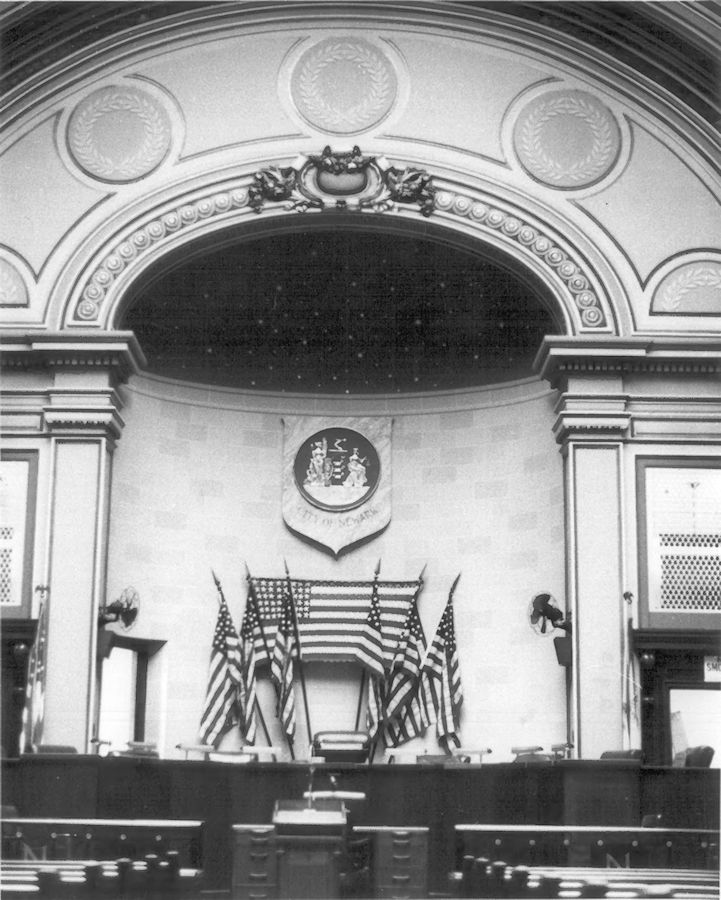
(566, 139)
(343, 85)
(336, 469)
(119, 134)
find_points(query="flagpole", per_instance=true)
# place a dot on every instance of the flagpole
(360, 698)
(445, 738)
(300, 657)
(382, 692)
(256, 705)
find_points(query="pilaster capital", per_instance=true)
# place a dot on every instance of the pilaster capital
(83, 421)
(597, 420)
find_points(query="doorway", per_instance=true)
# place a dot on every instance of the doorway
(681, 702)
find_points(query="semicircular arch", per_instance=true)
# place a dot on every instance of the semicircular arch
(588, 298)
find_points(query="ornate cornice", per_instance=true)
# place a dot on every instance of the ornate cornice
(116, 352)
(561, 358)
(600, 401)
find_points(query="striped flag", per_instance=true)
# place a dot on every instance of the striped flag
(413, 719)
(405, 670)
(370, 646)
(371, 656)
(248, 693)
(333, 616)
(444, 679)
(281, 667)
(224, 679)
(374, 704)
(34, 709)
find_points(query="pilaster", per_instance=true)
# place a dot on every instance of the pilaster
(61, 396)
(613, 394)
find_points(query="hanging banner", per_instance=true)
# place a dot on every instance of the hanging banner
(336, 478)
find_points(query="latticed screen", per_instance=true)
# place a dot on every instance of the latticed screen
(683, 510)
(14, 474)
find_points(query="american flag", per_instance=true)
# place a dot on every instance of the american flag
(371, 655)
(444, 679)
(224, 679)
(403, 677)
(333, 616)
(248, 632)
(374, 704)
(34, 709)
(413, 719)
(281, 667)
(370, 649)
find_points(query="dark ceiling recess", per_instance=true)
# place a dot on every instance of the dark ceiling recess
(342, 312)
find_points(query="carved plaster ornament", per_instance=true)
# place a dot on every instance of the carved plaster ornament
(690, 289)
(119, 134)
(346, 180)
(343, 85)
(566, 139)
(13, 290)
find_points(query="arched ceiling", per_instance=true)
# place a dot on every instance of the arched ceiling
(338, 311)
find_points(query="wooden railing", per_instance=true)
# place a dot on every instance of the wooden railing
(66, 839)
(607, 846)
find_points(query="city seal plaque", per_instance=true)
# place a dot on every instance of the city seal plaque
(337, 469)
(336, 480)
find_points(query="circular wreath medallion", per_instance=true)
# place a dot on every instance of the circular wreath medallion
(343, 86)
(119, 134)
(337, 469)
(566, 139)
(691, 288)
(13, 291)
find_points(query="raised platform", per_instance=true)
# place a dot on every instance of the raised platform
(593, 792)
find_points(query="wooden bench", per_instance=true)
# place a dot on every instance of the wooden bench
(156, 876)
(587, 845)
(480, 877)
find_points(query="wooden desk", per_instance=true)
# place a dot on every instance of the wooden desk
(398, 860)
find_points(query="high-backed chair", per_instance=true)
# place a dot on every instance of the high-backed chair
(55, 748)
(466, 755)
(531, 754)
(623, 754)
(699, 757)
